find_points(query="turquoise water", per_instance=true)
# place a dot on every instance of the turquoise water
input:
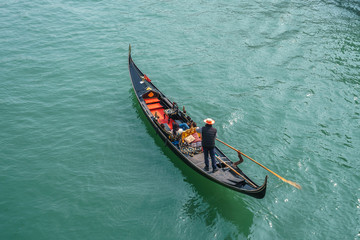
(79, 161)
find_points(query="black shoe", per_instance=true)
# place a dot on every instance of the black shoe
(215, 170)
(206, 169)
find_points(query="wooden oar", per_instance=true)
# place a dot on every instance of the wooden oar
(287, 181)
(236, 172)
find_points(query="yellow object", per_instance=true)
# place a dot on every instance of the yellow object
(189, 132)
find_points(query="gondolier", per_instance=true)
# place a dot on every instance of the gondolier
(208, 133)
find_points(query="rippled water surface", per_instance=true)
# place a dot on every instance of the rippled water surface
(79, 161)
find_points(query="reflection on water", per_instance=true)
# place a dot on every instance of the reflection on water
(210, 200)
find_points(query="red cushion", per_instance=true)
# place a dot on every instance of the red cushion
(151, 100)
(154, 106)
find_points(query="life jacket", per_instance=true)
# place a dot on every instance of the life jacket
(208, 136)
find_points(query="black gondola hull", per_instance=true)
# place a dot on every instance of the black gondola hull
(142, 87)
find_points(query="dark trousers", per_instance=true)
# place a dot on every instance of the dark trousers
(212, 155)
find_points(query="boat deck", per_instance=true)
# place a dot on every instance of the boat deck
(223, 174)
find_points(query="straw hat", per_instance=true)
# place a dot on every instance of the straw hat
(209, 121)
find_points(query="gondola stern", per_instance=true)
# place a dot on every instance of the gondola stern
(262, 189)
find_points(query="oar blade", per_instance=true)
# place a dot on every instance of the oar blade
(293, 184)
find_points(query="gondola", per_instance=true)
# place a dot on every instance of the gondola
(162, 113)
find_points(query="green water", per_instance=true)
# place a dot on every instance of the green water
(79, 161)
